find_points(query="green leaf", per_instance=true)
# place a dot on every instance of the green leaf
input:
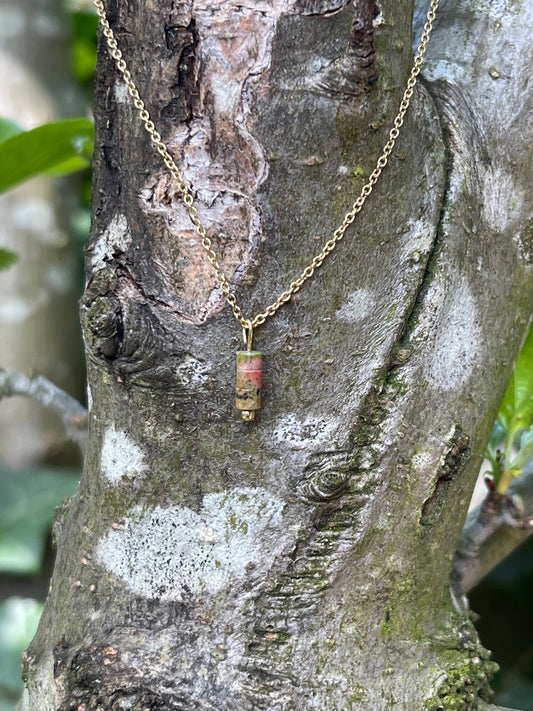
(85, 25)
(526, 440)
(8, 128)
(7, 258)
(27, 507)
(516, 410)
(70, 165)
(525, 451)
(18, 623)
(48, 148)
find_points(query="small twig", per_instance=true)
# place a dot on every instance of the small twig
(71, 412)
(494, 529)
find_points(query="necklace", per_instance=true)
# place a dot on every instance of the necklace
(249, 362)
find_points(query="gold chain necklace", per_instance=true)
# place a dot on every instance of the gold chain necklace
(249, 362)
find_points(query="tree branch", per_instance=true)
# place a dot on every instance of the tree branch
(71, 412)
(494, 529)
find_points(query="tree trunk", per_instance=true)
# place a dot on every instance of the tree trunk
(301, 561)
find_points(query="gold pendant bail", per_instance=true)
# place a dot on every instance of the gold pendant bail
(248, 334)
(249, 375)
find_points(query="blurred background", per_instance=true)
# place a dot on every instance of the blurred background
(47, 58)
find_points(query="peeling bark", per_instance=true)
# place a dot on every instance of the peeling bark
(302, 561)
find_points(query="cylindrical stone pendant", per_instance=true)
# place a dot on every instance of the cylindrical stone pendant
(249, 382)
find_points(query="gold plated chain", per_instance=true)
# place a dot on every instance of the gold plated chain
(249, 362)
(187, 194)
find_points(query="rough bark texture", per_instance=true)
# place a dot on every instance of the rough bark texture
(301, 561)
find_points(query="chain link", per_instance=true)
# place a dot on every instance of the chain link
(187, 195)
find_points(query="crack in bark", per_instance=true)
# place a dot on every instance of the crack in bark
(183, 42)
(125, 272)
(299, 589)
(343, 483)
(268, 664)
(455, 458)
(404, 343)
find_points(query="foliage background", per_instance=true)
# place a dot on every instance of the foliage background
(28, 498)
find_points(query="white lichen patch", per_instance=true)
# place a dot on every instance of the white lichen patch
(502, 200)
(419, 240)
(422, 461)
(445, 69)
(121, 457)
(357, 307)
(296, 433)
(457, 343)
(378, 20)
(121, 93)
(192, 372)
(176, 553)
(495, 9)
(115, 240)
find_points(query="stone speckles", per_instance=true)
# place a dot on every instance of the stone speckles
(249, 380)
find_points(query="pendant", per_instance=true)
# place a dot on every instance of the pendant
(249, 382)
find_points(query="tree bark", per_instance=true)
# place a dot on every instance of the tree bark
(301, 561)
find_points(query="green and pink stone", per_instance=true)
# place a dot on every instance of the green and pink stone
(249, 383)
